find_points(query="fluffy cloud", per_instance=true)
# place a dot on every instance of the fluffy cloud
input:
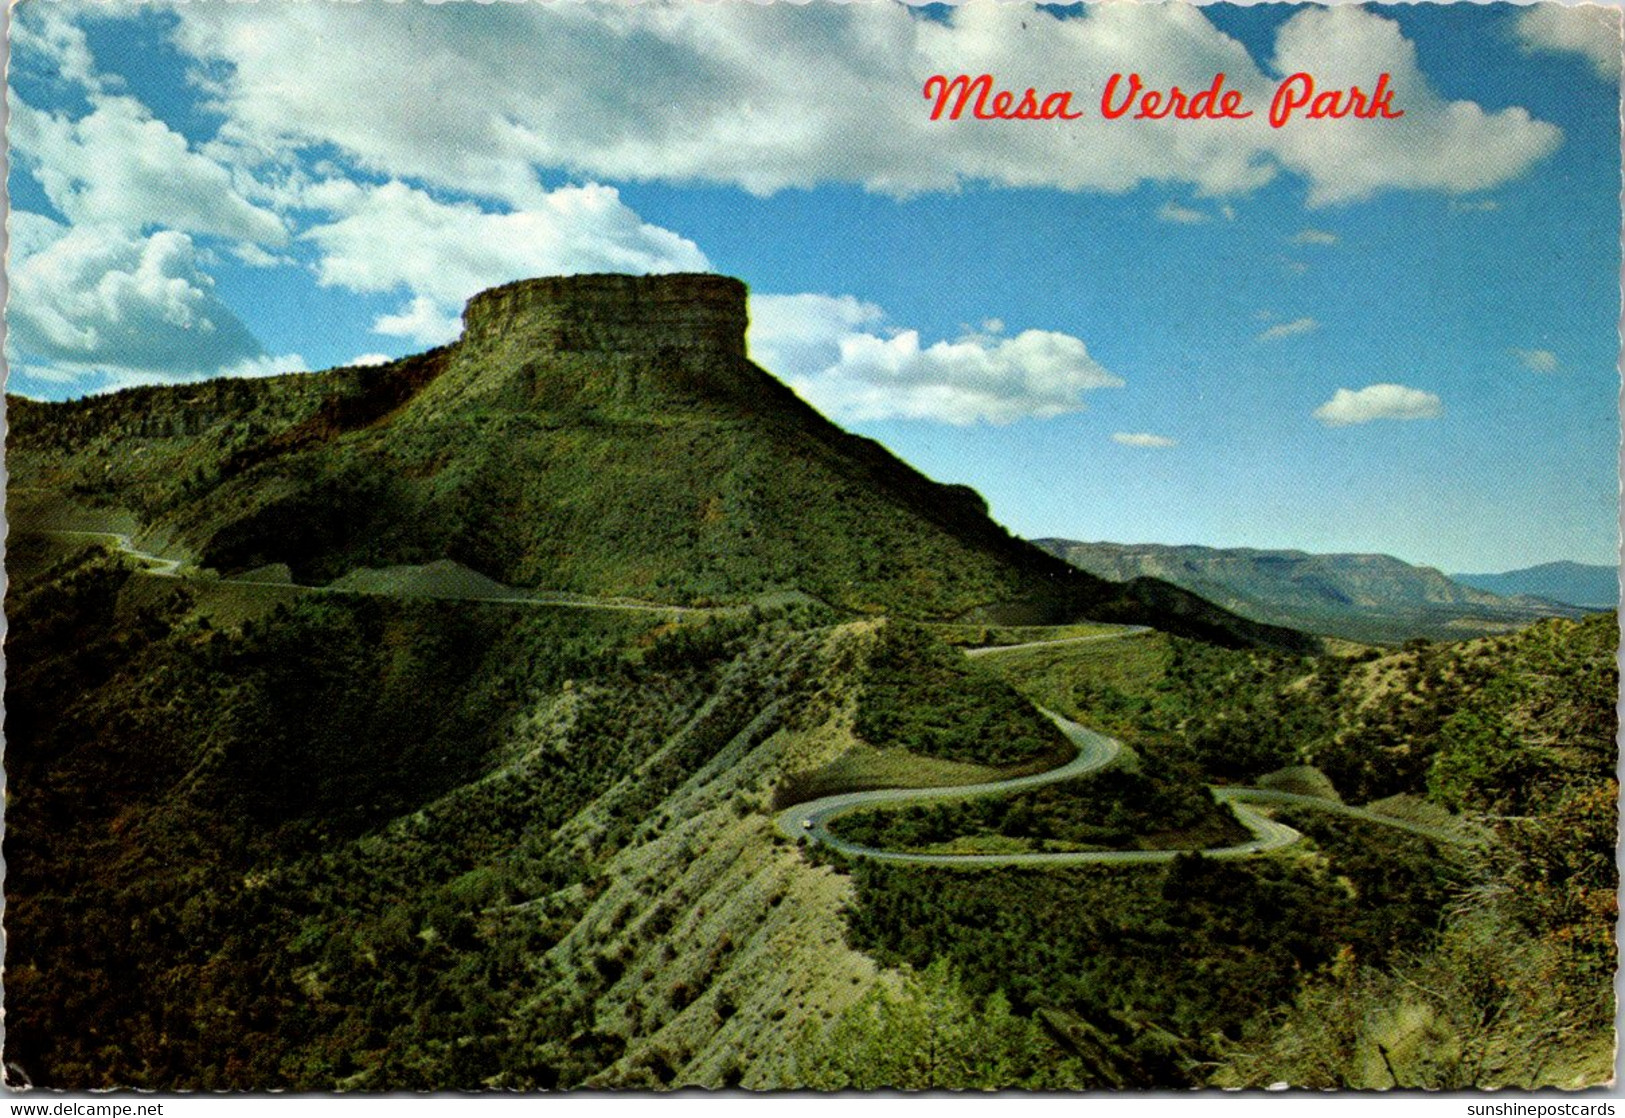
(265, 365)
(1143, 439)
(47, 42)
(1378, 401)
(389, 237)
(1289, 329)
(1454, 146)
(820, 346)
(497, 95)
(1589, 30)
(798, 336)
(97, 303)
(117, 166)
(29, 234)
(423, 320)
(495, 91)
(1537, 360)
(118, 296)
(256, 257)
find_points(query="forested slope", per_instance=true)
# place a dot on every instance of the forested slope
(602, 435)
(274, 834)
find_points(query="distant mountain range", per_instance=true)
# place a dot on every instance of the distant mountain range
(1578, 584)
(1358, 597)
(336, 795)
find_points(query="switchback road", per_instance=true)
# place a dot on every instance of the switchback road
(811, 820)
(1096, 751)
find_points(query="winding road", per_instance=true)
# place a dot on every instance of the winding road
(156, 564)
(171, 568)
(811, 820)
(1096, 751)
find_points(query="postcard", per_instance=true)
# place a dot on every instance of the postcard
(836, 546)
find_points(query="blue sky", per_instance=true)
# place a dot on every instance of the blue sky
(1395, 336)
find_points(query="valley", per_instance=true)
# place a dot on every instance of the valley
(574, 707)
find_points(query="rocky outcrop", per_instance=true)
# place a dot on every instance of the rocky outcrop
(564, 342)
(694, 313)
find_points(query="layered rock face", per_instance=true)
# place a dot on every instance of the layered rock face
(602, 341)
(613, 314)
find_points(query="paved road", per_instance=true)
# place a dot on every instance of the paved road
(171, 568)
(1095, 752)
(156, 565)
(1226, 794)
(1124, 631)
(810, 820)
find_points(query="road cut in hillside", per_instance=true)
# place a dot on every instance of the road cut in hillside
(1096, 751)
(1123, 631)
(171, 568)
(810, 820)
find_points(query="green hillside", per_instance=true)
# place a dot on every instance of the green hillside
(434, 727)
(599, 435)
(1391, 959)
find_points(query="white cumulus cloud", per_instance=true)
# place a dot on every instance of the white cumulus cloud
(103, 309)
(496, 92)
(1143, 439)
(42, 34)
(97, 297)
(828, 350)
(1591, 30)
(323, 129)
(800, 335)
(423, 320)
(1181, 215)
(265, 365)
(119, 294)
(1378, 401)
(118, 166)
(393, 237)
(1453, 146)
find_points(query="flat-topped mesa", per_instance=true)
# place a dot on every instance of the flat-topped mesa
(602, 341)
(614, 314)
